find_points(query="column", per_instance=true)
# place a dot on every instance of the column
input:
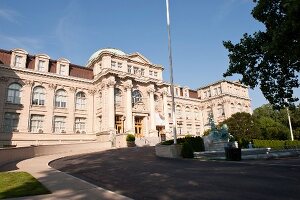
(49, 104)
(3, 94)
(165, 109)
(70, 121)
(90, 112)
(151, 91)
(128, 104)
(110, 104)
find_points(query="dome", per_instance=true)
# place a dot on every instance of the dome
(112, 50)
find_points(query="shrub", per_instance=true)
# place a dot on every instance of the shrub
(195, 142)
(187, 150)
(130, 138)
(277, 144)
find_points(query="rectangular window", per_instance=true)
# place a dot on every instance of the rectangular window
(18, 61)
(155, 74)
(41, 66)
(113, 64)
(62, 70)
(198, 130)
(219, 90)
(151, 73)
(189, 128)
(215, 91)
(59, 124)
(143, 72)
(129, 67)
(11, 121)
(36, 123)
(79, 124)
(119, 65)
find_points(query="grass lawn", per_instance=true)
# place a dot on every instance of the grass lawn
(19, 184)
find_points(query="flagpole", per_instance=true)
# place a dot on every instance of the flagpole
(171, 73)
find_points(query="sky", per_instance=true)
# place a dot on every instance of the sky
(75, 29)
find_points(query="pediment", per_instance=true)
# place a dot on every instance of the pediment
(139, 58)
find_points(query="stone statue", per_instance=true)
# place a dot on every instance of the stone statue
(217, 138)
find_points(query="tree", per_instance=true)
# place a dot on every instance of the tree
(270, 59)
(242, 127)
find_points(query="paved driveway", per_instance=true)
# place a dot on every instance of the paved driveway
(139, 174)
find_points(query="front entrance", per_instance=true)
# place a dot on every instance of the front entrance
(138, 126)
(160, 132)
(119, 124)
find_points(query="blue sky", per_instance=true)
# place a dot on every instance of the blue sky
(74, 29)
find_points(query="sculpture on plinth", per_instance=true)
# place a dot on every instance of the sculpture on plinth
(217, 138)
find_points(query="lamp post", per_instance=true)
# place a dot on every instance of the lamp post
(290, 123)
(171, 73)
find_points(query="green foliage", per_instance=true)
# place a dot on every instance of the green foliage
(241, 126)
(187, 150)
(195, 142)
(277, 144)
(19, 184)
(270, 59)
(130, 138)
(206, 132)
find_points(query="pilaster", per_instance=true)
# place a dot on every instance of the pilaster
(49, 104)
(129, 125)
(151, 91)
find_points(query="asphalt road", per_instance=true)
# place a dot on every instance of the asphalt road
(139, 174)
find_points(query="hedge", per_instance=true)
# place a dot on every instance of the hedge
(277, 144)
(195, 142)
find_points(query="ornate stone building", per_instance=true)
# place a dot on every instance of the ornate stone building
(49, 101)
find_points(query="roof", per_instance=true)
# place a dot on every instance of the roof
(112, 50)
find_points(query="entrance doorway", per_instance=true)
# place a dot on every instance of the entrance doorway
(138, 122)
(160, 132)
(119, 124)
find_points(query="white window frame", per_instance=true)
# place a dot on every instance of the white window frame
(80, 101)
(36, 123)
(59, 124)
(80, 124)
(61, 99)
(41, 66)
(14, 93)
(18, 61)
(38, 96)
(11, 121)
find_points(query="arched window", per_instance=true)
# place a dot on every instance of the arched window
(187, 113)
(220, 110)
(118, 96)
(38, 97)
(232, 108)
(178, 111)
(136, 97)
(169, 110)
(13, 93)
(80, 100)
(61, 99)
(197, 115)
(239, 107)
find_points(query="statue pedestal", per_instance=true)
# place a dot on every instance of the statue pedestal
(216, 146)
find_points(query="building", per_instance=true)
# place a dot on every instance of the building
(48, 101)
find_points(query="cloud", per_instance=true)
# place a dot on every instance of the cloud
(9, 15)
(30, 44)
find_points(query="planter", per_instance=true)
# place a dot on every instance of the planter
(131, 144)
(168, 151)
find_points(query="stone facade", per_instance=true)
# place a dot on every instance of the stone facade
(113, 95)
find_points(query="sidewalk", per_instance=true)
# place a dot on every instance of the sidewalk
(62, 185)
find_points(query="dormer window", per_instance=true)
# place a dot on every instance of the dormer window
(113, 64)
(129, 69)
(135, 70)
(62, 69)
(41, 66)
(17, 62)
